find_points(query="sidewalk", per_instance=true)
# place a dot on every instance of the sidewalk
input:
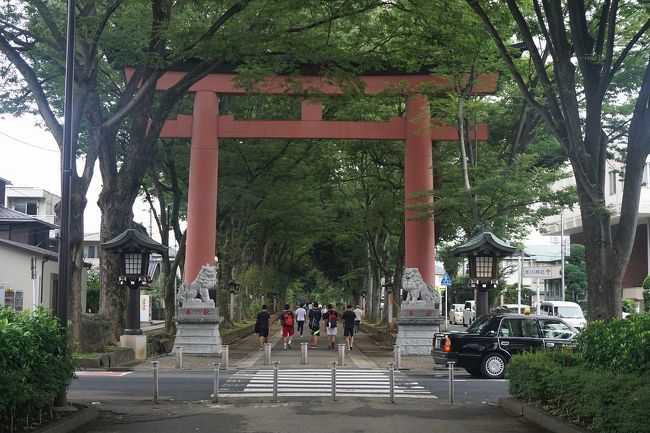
(366, 353)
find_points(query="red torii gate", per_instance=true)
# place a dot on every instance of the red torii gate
(206, 126)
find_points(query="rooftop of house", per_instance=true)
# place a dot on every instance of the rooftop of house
(31, 249)
(11, 216)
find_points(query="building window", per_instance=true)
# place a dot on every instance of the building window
(92, 253)
(29, 208)
(612, 182)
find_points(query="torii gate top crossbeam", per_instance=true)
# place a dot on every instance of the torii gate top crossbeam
(227, 84)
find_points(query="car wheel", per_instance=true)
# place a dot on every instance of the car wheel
(493, 366)
(474, 371)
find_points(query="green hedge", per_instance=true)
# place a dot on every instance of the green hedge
(602, 400)
(619, 344)
(33, 370)
(603, 385)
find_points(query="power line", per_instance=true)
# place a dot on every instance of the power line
(28, 144)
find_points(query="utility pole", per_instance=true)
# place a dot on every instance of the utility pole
(67, 158)
(521, 280)
(562, 253)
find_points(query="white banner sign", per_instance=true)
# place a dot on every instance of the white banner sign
(145, 308)
(543, 272)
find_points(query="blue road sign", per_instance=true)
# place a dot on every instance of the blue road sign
(446, 280)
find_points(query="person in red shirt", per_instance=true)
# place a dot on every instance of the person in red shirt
(286, 320)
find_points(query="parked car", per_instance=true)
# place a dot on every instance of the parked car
(489, 343)
(456, 314)
(511, 308)
(469, 312)
(569, 311)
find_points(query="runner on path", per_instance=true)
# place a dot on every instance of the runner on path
(357, 320)
(349, 319)
(331, 319)
(314, 324)
(263, 325)
(286, 320)
(300, 318)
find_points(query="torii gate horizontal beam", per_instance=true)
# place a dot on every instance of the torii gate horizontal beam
(394, 129)
(227, 84)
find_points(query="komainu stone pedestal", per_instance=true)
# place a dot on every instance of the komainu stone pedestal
(416, 325)
(197, 330)
(418, 318)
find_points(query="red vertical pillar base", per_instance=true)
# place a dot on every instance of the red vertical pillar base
(418, 177)
(202, 195)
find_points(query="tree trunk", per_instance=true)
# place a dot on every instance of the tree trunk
(76, 235)
(116, 217)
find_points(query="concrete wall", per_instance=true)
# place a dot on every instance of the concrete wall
(15, 270)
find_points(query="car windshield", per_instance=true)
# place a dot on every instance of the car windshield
(480, 326)
(569, 312)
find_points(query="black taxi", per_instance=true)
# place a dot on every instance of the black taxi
(489, 343)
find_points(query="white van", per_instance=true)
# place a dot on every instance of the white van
(469, 312)
(456, 314)
(569, 311)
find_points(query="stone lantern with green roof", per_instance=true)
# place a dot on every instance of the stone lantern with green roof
(482, 250)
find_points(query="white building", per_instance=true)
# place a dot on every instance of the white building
(32, 201)
(639, 265)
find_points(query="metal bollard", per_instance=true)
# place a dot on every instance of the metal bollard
(397, 354)
(179, 356)
(267, 353)
(304, 348)
(155, 381)
(333, 364)
(341, 355)
(275, 380)
(215, 387)
(225, 355)
(391, 381)
(451, 381)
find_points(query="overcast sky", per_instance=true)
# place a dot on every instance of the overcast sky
(30, 157)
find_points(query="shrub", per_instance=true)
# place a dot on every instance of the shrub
(616, 345)
(602, 400)
(604, 384)
(32, 366)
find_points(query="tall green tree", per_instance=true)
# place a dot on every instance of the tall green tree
(575, 273)
(598, 63)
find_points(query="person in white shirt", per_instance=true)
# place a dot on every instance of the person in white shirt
(357, 320)
(300, 317)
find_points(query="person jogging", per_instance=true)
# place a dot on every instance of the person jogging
(263, 325)
(301, 313)
(349, 318)
(286, 320)
(314, 324)
(331, 320)
(357, 321)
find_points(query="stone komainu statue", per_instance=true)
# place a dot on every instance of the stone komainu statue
(416, 289)
(205, 279)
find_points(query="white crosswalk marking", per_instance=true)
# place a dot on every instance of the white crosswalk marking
(318, 382)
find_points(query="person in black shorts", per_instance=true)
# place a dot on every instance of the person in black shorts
(348, 325)
(314, 324)
(263, 325)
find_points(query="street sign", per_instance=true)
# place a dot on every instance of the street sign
(446, 280)
(542, 272)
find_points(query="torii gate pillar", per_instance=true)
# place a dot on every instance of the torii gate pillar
(202, 193)
(418, 176)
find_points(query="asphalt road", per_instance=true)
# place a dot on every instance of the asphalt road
(198, 385)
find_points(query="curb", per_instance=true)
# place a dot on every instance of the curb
(538, 416)
(71, 422)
